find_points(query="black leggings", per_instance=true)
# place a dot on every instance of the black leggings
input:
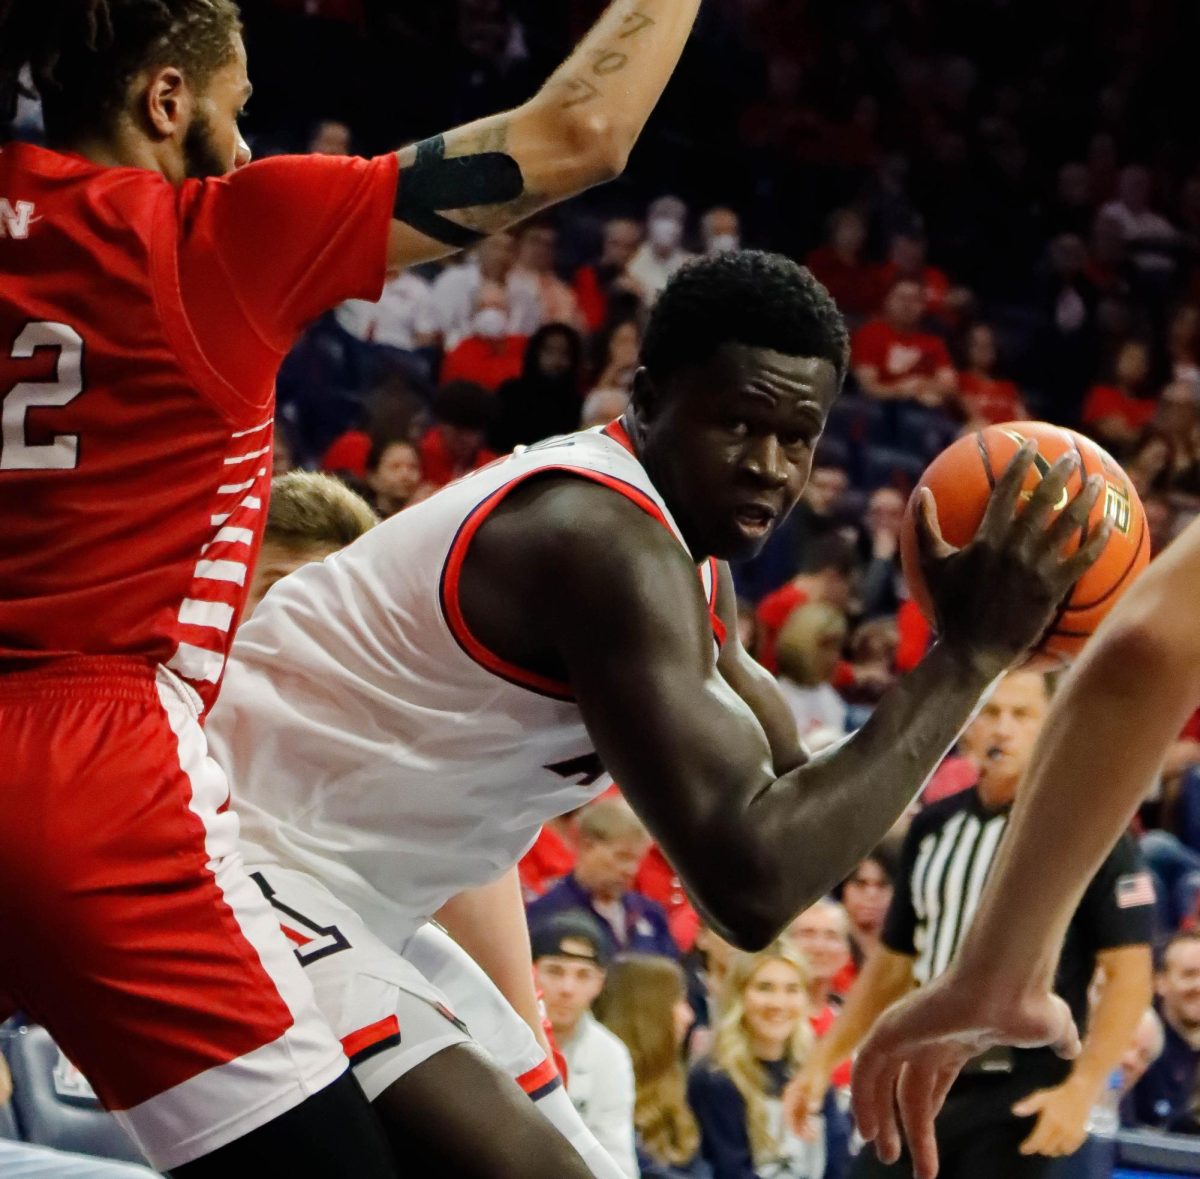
(333, 1135)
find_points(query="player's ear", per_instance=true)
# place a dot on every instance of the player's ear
(167, 102)
(646, 397)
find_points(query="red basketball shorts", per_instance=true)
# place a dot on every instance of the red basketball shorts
(131, 929)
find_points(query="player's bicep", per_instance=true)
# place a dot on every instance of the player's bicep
(458, 187)
(638, 648)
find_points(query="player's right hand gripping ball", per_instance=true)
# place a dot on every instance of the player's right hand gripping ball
(961, 479)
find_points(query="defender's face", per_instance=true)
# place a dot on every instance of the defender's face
(214, 145)
(729, 444)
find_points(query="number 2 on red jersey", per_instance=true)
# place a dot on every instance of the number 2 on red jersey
(61, 453)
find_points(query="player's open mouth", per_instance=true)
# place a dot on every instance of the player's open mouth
(755, 519)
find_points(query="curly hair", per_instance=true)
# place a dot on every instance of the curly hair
(83, 54)
(743, 297)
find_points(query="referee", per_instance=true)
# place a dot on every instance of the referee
(1011, 1111)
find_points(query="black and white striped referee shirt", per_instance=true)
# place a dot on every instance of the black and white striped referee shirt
(944, 864)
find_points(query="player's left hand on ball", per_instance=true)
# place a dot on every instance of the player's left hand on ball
(1062, 1114)
(916, 1050)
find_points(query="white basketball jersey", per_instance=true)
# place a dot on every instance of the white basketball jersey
(372, 741)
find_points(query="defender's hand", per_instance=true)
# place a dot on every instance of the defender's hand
(916, 1050)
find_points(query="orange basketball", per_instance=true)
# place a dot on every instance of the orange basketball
(961, 479)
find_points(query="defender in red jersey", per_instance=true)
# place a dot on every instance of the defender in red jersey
(152, 283)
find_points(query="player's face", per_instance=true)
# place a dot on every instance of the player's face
(1001, 738)
(775, 1001)
(213, 144)
(819, 935)
(569, 987)
(729, 444)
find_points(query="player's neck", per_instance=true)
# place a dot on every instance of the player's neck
(125, 149)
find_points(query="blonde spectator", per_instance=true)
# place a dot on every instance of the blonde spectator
(809, 649)
(644, 1002)
(762, 1039)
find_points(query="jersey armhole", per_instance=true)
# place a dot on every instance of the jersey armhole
(168, 301)
(448, 587)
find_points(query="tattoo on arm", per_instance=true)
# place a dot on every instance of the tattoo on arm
(606, 61)
(433, 183)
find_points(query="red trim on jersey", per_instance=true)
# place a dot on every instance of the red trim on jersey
(720, 631)
(371, 1038)
(538, 1076)
(452, 572)
(617, 432)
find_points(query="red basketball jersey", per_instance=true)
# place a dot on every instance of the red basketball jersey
(141, 329)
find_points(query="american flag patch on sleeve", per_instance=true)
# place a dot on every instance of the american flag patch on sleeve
(1135, 890)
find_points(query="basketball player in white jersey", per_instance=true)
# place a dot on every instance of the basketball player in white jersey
(310, 517)
(401, 719)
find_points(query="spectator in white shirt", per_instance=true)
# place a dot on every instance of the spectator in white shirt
(1151, 239)
(721, 230)
(541, 297)
(402, 318)
(455, 292)
(810, 646)
(662, 253)
(570, 955)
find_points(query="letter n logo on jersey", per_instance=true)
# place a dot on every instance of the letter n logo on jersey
(15, 220)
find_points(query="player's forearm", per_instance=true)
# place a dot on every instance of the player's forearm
(489, 923)
(617, 74)
(809, 828)
(576, 132)
(886, 978)
(1128, 989)
(1099, 752)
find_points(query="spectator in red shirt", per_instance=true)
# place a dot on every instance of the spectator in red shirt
(840, 265)
(1115, 414)
(597, 282)
(895, 361)
(907, 260)
(551, 858)
(454, 445)
(657, 880)
(491, 355)
(985, 398)
(915, 636)
(829, 579)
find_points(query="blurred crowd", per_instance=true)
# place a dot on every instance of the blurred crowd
(1004, 200)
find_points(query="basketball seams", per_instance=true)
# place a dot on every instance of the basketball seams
(1133, 560)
